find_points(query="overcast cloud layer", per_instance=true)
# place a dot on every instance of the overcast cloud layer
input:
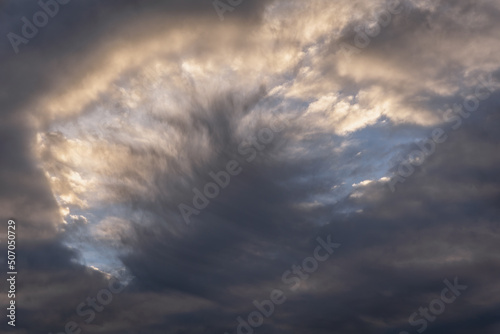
(116, 113)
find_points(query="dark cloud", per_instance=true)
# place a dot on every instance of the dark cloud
(397, 248)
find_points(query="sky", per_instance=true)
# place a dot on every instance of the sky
(251, 166)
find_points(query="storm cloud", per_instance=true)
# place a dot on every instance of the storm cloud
(285, 123)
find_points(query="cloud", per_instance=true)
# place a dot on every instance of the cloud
(110, 122)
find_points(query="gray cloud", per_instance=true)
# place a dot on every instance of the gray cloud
(117, 110)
